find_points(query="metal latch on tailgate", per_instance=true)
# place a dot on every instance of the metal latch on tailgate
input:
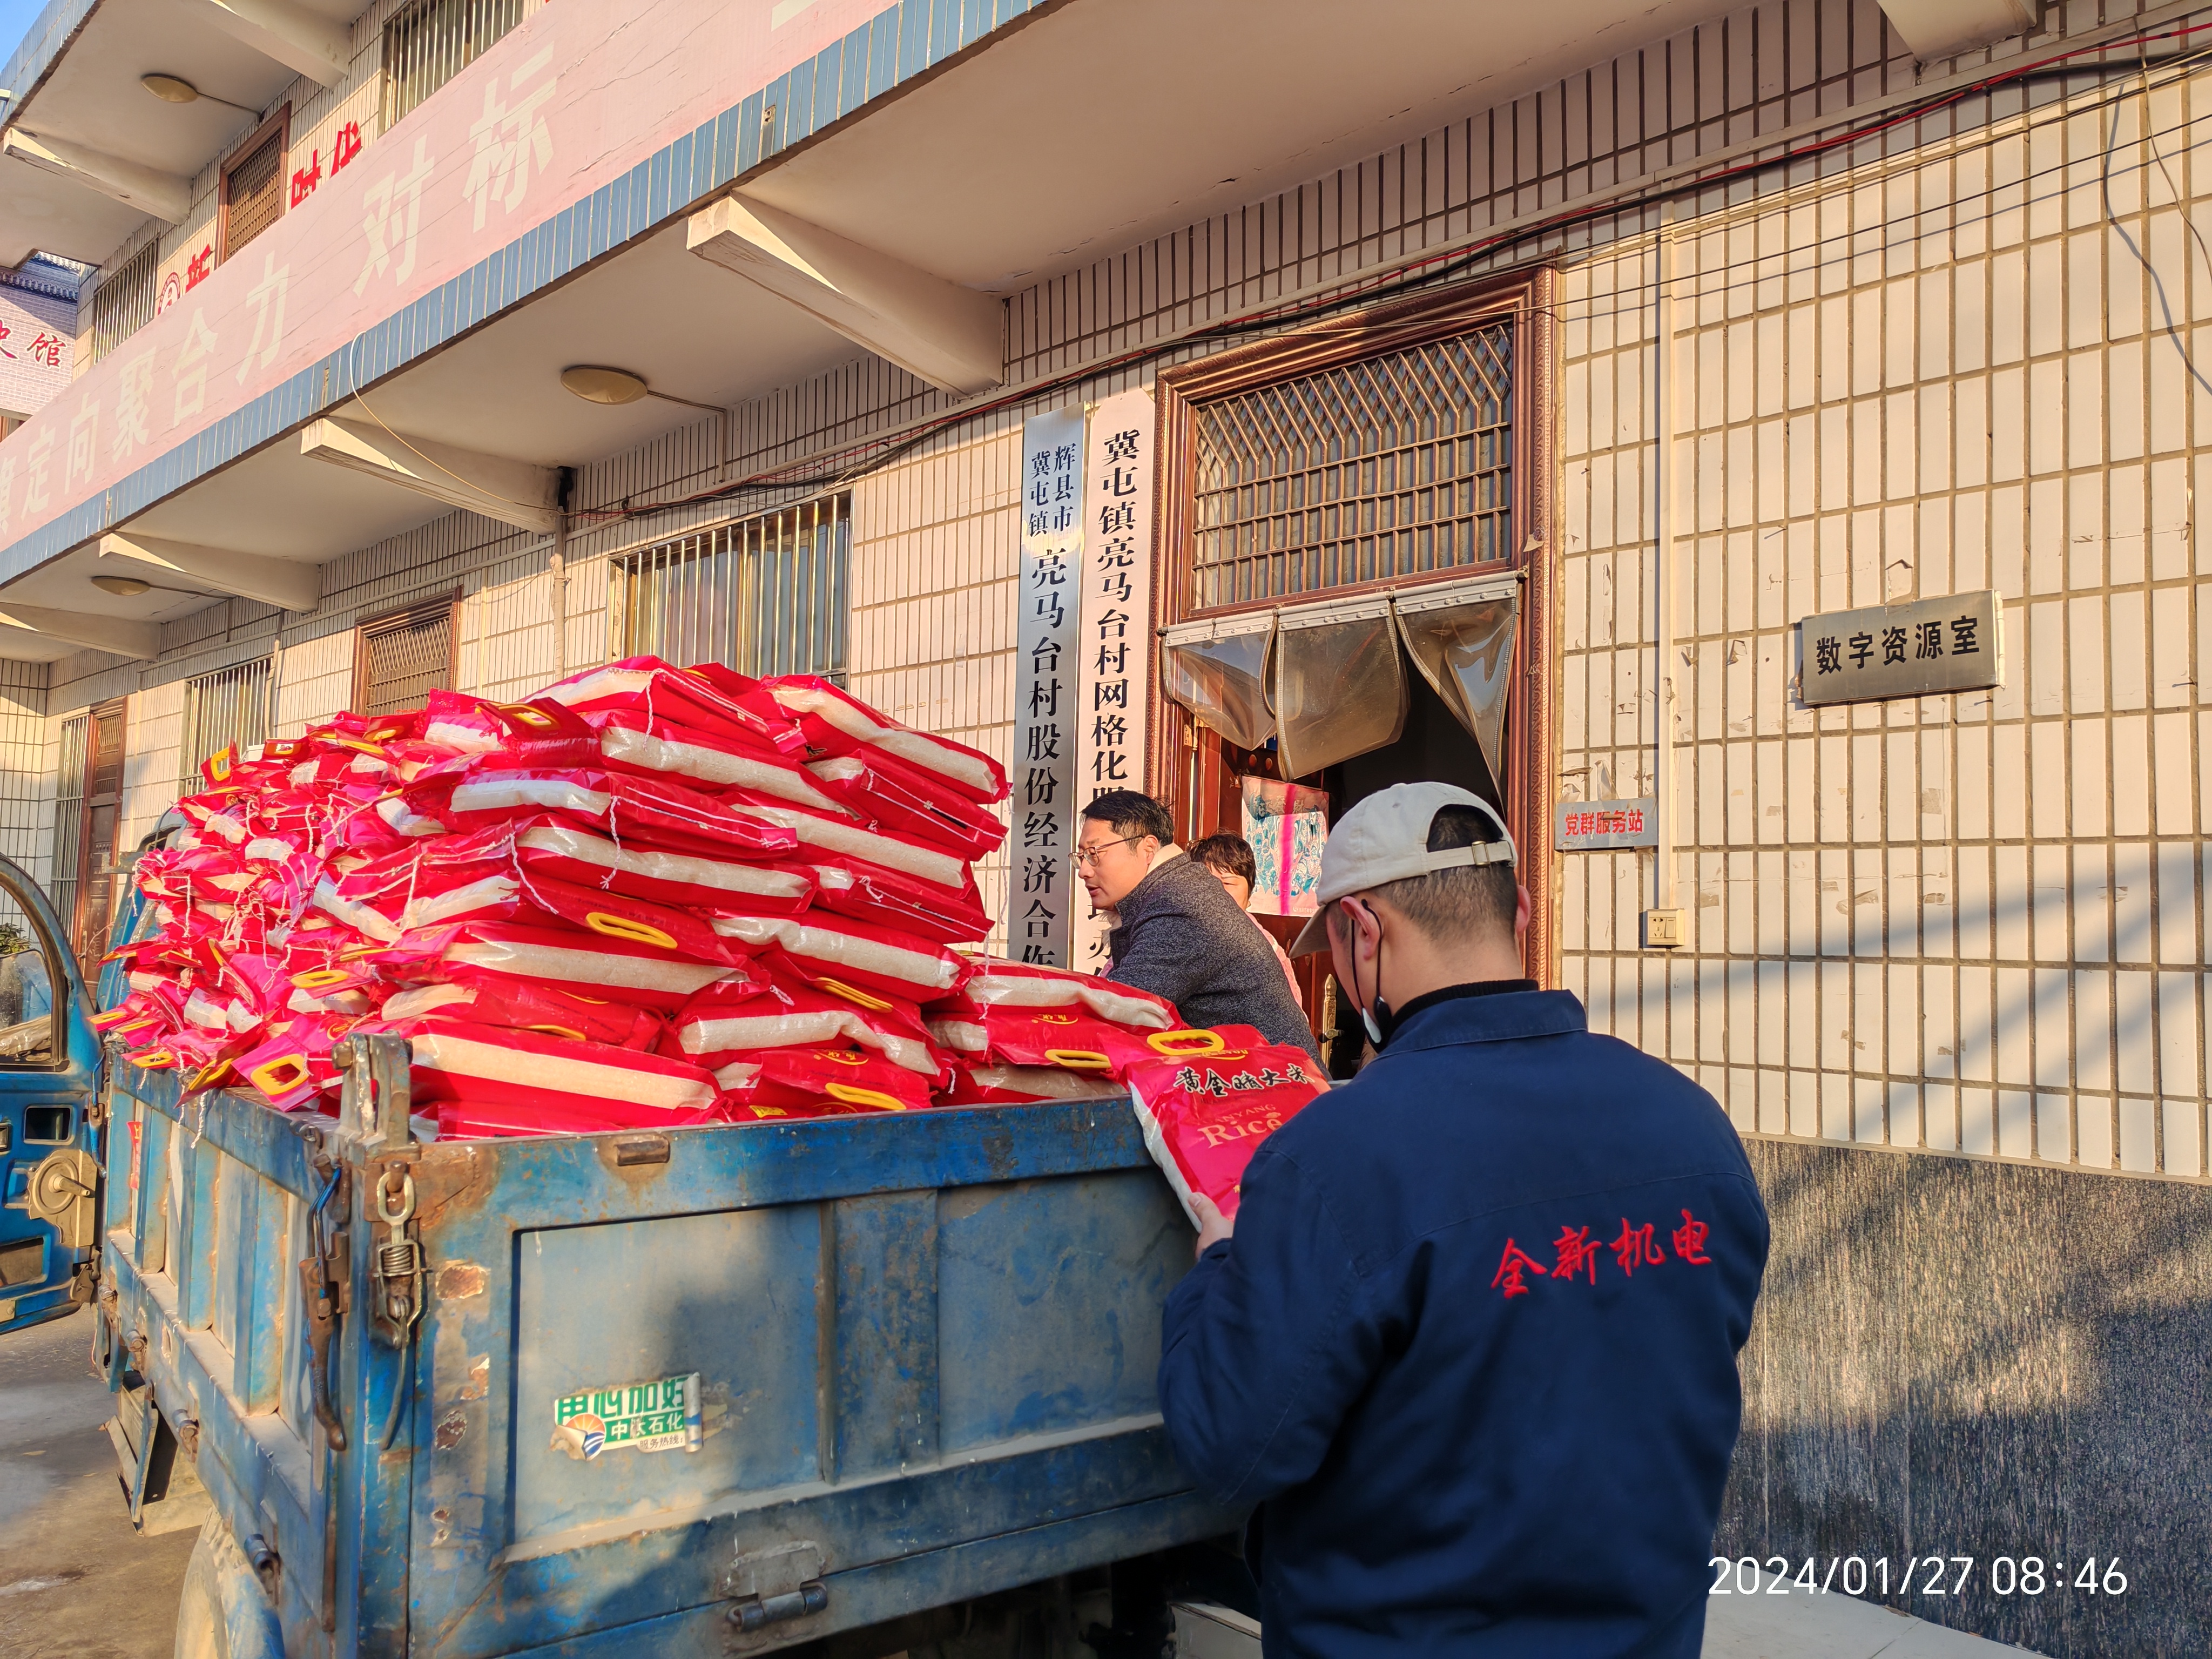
(773, 1587)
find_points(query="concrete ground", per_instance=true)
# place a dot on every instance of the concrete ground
(75, 1582)
(1806, 1624)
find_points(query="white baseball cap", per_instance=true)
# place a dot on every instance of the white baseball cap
(1385, 838)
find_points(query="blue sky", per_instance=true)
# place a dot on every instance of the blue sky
(16, 17)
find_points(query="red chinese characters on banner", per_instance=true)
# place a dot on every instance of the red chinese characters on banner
(46, 348)
(344, 147)
(1627, 821)
(199, 267)
(1576, 1254)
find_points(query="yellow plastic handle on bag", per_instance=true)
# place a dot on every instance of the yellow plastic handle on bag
(557, 1031)
(1182, 1044)
(852, 1096)
(315, 978)
(860, 998)
(1077, 1060)
(276, 1077)
(629, 928)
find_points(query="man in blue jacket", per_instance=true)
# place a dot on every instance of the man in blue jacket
(1472, 1348)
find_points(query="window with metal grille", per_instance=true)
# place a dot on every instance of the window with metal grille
(399, 659)
(124, 302)
(253, 186)
(766, 597)
(428, 43)
(1386, 467)
(229, 706)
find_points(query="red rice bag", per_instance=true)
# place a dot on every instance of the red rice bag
(893, 795)
(560, 849)
(1070, 1039)
(728, 1021)
(838, 723)
(628, 808)
(868, 892)
(835, 951)
(1204, 1115)
(706, 696)
(824, 1082)
(485, 999)
(713, 760)
(1017, 1085)
(621, 970)
(996, 982)
(561, 1083)
(841, 840)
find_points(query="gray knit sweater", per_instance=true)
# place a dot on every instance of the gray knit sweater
(1179, 935)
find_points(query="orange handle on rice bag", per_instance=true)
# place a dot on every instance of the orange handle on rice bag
(1204, 1116)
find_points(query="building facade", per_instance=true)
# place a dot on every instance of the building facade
(1536, 388)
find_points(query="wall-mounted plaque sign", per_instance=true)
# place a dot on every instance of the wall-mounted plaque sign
(1954, 643)
(1600, 826)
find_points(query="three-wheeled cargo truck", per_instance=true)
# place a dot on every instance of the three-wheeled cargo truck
(709, 1391)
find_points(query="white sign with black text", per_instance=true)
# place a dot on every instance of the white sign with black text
(1114, 626)
(1040, 900)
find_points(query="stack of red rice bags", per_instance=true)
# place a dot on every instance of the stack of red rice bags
(649, 896)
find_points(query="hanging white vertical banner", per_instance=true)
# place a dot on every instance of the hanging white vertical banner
(1114, 645)
(1040, 901)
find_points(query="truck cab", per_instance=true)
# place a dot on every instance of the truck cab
(49, 1128)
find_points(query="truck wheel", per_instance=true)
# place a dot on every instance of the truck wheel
(222, 1613)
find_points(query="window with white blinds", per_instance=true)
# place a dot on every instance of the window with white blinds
(766, 596)
(229, 706)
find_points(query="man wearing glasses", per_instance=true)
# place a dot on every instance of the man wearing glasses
(1177, 933)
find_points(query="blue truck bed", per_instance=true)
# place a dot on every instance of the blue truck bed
(884, 1363)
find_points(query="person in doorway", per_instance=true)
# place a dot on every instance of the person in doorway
(1227, 859)
(1175, 932)
(1470, 1345)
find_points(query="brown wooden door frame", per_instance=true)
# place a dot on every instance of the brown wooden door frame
(1532, 737)
(95, 882)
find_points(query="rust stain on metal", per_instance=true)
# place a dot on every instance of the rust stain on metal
(457, 1178)
(440, 1518)
(479, 1384)
(639, 1157)
(451, 1427)
(457, 1279)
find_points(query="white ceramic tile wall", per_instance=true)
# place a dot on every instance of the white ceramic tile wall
(1971, 922)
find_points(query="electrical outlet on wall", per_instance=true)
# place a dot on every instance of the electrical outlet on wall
(1664, 929)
